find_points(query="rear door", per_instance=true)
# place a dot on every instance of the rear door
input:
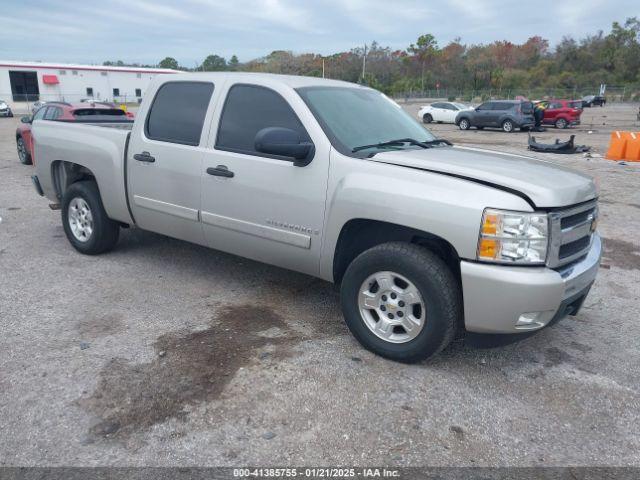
(164, 159)
(438, 112)
(498, 111)
(269, 209)
(450, 112)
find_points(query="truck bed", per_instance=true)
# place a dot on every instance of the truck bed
(98, 145)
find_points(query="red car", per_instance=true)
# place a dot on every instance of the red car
(63, 111)
(562, 113)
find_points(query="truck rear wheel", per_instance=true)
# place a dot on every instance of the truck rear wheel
(85, 221)
(401, 301)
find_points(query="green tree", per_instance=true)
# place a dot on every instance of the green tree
(234, 63)
(424, 50)
(169, 62)
(214, 63)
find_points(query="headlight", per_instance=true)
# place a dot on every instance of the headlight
(513, 237)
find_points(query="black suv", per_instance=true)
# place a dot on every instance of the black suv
(505, 114)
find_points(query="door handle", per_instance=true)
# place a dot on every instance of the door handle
(144, 157)
(220, 171)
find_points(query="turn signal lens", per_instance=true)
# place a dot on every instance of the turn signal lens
(513, 237)
(490, 224)
(488, 248)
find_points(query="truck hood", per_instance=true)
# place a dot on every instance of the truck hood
(544, 184)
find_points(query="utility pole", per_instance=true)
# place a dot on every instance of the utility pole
(322, 67)
(364, 62)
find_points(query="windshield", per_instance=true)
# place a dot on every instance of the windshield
(353, 117)
(460, 106)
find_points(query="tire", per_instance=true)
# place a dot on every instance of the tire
(464, 124)
(23, 154)
(427, 118)
(561, 123)
(405, 266)
(508, 126)
(90, 233)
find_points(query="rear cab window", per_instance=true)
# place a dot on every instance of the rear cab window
(178, 111)
(111, 112)
(248, 109)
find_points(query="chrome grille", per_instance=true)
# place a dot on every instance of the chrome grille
(571, 231)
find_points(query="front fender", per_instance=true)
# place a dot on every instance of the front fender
(445, 206)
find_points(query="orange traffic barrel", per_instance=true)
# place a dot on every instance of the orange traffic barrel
(617, 146)
(632, 153)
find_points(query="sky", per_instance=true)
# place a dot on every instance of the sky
(146, 31)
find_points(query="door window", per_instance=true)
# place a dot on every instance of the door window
(178, 111)
(247, 110)
(485, 106)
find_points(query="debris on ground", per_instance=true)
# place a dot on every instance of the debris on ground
(557, 147)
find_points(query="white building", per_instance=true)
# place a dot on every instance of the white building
(31, 81)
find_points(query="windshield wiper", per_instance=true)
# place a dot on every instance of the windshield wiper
(401, 141)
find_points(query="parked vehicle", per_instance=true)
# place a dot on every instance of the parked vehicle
(591, 100)
(61, 111)
(335, 180)
(505, 114)
(562, 113)
(5, 110)
(441, 112)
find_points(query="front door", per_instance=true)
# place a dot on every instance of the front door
(482, 118)
(260, 206)
(165, 160)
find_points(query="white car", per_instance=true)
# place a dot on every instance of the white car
(441, 112)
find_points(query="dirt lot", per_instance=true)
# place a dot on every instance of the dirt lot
(165, 353)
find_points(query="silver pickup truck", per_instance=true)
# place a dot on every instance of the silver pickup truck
(426, 240)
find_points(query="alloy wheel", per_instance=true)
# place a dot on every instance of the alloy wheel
(80, 219)
(392, 307)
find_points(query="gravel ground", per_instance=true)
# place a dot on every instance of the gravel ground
(166, 353)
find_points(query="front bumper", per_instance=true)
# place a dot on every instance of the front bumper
(495, 296)
(6, 113)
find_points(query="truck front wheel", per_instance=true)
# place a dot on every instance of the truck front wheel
(85, 221)
(401, 301)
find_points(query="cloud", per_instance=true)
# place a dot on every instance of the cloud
(148, 30)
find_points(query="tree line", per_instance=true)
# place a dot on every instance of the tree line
(612, 58)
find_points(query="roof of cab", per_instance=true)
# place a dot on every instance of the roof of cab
(294, 81)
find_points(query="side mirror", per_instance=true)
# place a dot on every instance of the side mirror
(26, 119)
(286, 143)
